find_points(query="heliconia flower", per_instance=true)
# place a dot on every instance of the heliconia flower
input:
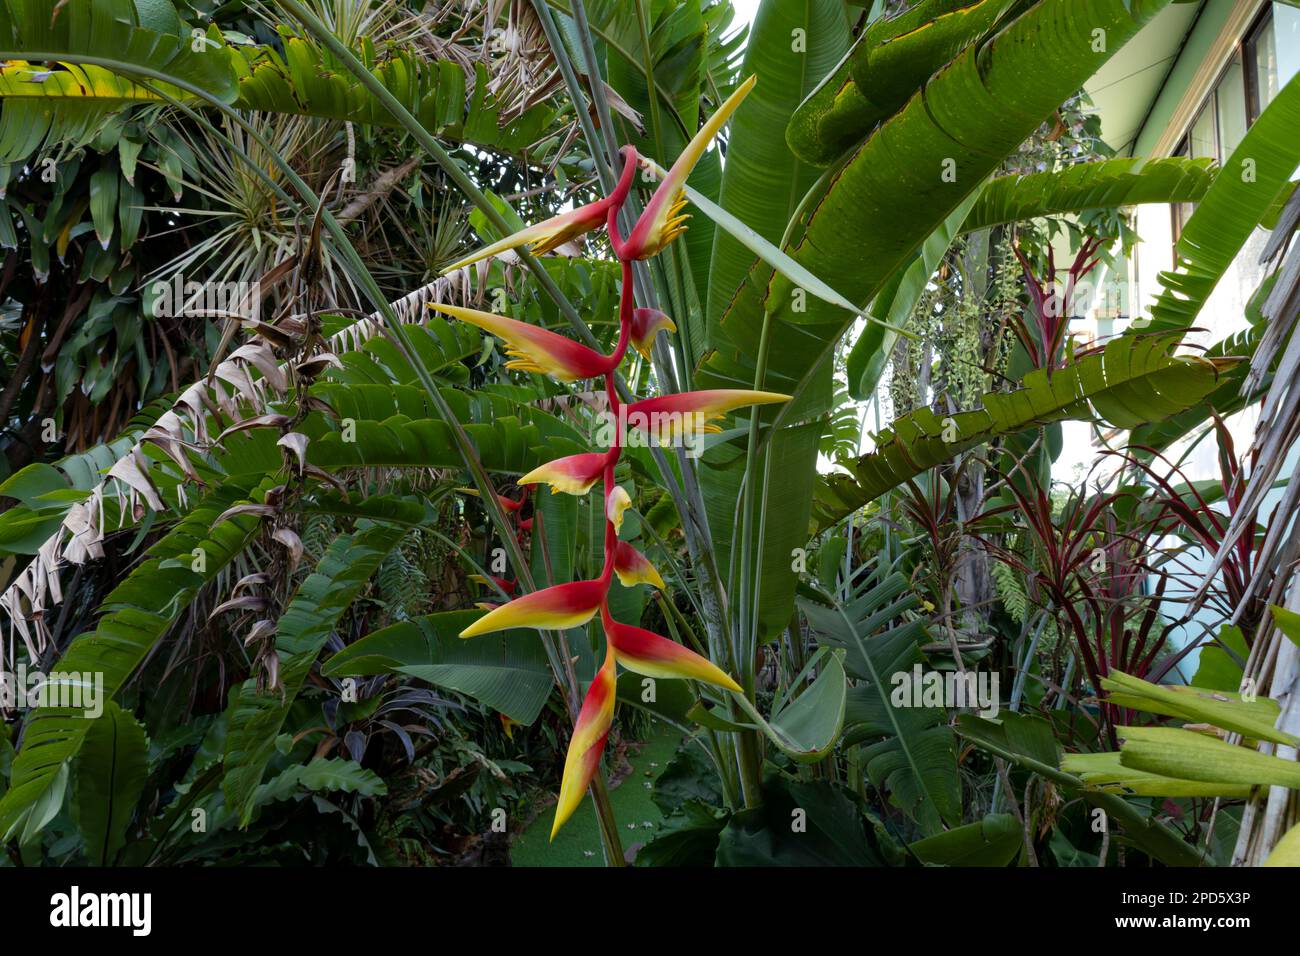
(534, 349)
(616, 503)
(666, 416)
(647, 653)
(590, 731)
(507, 586)
(508, 504)
(661, 222)
(554, 608)
(508, 724)
(633, 568)
(646, 324)
(526, 524)
(544, 236)
(573, 475)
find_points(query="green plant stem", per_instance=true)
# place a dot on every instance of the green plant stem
(675, 614)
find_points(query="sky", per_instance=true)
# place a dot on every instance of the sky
(745, 10)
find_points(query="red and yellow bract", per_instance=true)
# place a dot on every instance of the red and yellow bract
(667, 416)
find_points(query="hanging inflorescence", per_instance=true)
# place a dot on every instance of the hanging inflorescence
(534, 349)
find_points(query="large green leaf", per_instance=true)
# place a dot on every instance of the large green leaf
(111, 770)
(808, 726)
(1252, 717)
(892, 58)
(993, 841)
(762, 185)
(1131, 381)
(1239, 200)
(899, 185)
(801, 823)
(910, 752)
(441, 346)
(302, 630)
(307, 79)
(137, 614)
(68, 102)
(763, 180)
(1100, 185)
(399, 442)
(508, 672)
(679, 40)
(321, 774)
(1104, 771)
(1287, 850)
(1226, 398)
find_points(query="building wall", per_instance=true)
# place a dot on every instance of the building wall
(1212, 41)
(1208, 48)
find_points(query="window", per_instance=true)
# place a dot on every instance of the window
(1260, 48)
(1230, 108)
(1247, 84)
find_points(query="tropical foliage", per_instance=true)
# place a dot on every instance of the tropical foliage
(307, 304)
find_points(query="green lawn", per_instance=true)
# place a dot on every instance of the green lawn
(578, 843)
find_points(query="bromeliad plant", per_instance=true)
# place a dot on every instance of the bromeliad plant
(664, 418)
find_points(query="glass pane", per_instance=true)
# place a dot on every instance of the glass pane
(1182, 212)
(1284, 37)
(1202, 134)
(1230, 97)
(1266, 75)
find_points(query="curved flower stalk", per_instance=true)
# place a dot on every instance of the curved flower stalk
(667, 418)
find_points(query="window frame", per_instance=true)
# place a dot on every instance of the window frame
(1249, 61)
(1245, 52)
